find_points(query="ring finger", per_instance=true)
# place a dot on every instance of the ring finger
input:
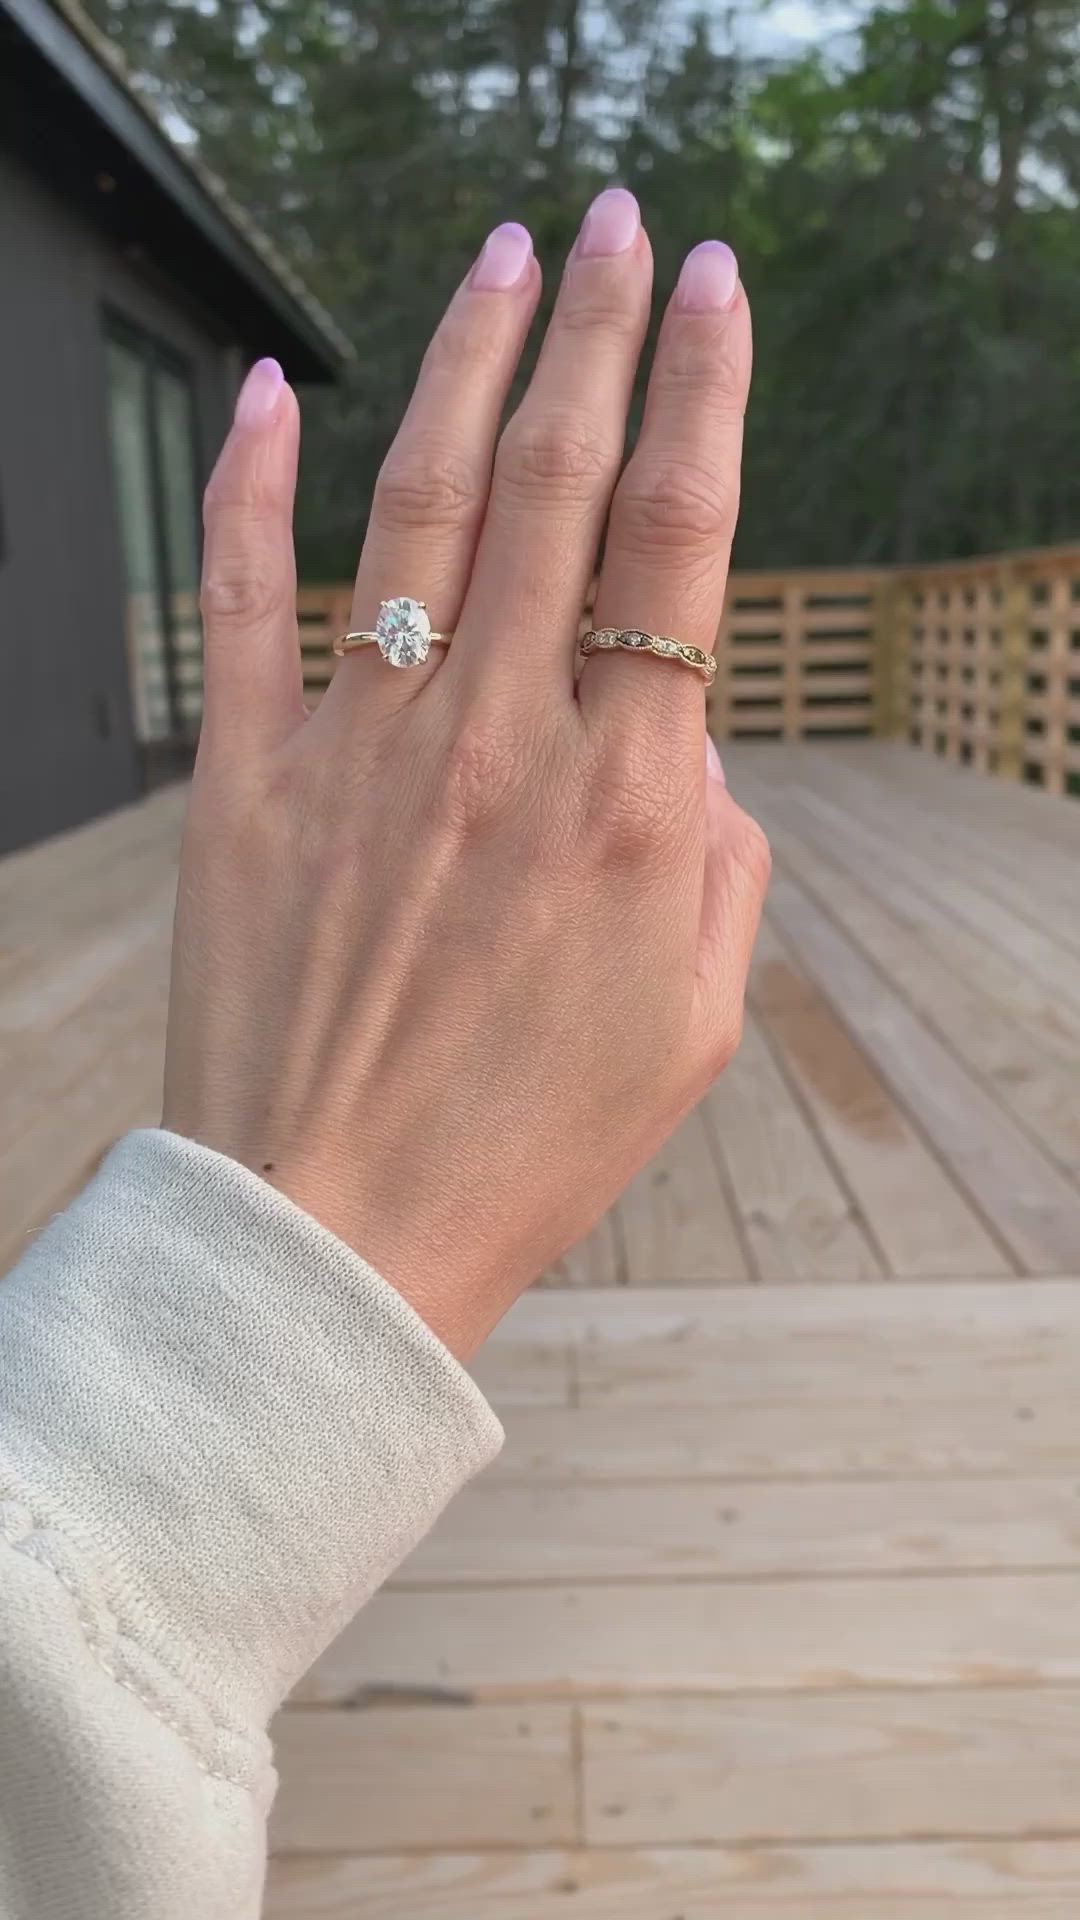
(674, 512)
(432, 490)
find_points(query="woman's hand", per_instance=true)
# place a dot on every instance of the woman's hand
(455, 953)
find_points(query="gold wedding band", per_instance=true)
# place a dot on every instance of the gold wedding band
(402, 633)
(605, 639)
(350, 642)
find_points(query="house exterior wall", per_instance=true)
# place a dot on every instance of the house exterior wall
(67, 748)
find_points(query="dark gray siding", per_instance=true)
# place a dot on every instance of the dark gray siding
(66, 745)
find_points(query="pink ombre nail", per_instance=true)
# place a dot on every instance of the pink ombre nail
(709, 279)
(503, 259)
(611, 225)
(259, 393)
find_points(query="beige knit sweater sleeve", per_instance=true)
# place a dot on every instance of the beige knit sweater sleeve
(220, 1430)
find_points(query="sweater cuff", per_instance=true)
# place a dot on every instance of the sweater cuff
(206, 1388)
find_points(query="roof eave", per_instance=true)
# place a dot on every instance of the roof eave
(94, 74)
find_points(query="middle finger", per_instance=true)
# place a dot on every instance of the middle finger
(558, 461)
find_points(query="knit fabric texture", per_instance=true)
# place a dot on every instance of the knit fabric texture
(220, 1431)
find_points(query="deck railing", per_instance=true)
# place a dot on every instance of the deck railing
(978, 660)
(982, 659)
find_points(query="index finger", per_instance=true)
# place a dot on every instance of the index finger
(251, 649)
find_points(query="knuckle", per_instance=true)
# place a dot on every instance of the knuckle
(679, 507)
(556, 455)
(461, 344)
(479, 774)
(240, 588)
(242, 492)
(636, 808)
(427, 485)
(604, 321)
(711, 368)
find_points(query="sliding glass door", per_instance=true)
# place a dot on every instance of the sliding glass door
(155, 469)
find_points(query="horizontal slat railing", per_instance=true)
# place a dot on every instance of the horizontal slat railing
(796, 651)
(985, 663)
(978, 660)
(798, 655)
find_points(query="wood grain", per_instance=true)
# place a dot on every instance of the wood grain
(918, 1215)
(884, 1438)
(678, 1771)
(1032, 1207)
(677, 1218)
(798, 1219)
(979, 1879)
(524, 1373)
(1000, 1319)
(747, 1637)
(1032, 1072)
(564, 1533)
(377, 1779)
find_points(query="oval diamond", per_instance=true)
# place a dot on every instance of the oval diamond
(403, 631)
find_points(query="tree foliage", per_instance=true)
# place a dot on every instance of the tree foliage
(903, 203)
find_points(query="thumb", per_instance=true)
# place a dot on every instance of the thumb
(737, 865)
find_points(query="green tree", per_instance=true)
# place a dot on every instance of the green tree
(903, 206)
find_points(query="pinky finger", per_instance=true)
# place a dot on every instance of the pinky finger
(251, 667)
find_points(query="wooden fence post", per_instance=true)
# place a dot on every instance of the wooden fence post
(892, 660)
(1012, 688)
(791, 659)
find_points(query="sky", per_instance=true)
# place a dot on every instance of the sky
(797, 20)
(754, 28)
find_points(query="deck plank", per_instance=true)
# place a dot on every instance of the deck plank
(798, 1219)
(599, 1260)
(880, 1438)
(524, 1373)
(921, 1220)
(678, 1222)
(920, 1313)
(1034, 1073)
(1033, 1207)
(39, 1069)
(970, 1879)
(47, 1162)
(1029, 876)
(379, 1779)
(679, 1772)
(752, 1636)
(497, 1534)
(962, 894)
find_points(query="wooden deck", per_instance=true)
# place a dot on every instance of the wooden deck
(771, 1606)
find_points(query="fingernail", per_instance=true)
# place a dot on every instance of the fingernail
(258, 395)
(611, 225)
(714, 766)
(502, 260)
(709, 279)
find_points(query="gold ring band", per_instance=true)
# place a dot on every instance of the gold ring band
(350, 642)
(606, 639)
